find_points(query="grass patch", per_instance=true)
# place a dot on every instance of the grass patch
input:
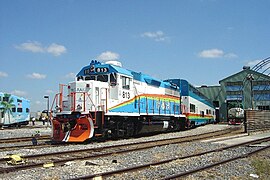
(262, 167)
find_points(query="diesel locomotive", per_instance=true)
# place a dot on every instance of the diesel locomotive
(107, 100)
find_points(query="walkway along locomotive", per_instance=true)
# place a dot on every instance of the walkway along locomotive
(107, 100)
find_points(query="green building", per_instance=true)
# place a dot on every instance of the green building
(247, 89)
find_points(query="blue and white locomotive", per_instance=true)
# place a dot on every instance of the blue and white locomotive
(107, 100)
(14, 110)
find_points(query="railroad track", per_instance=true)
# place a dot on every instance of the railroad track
(22, 139)
(189, 172)
(41, 144)
(60, 158)
(16, 143)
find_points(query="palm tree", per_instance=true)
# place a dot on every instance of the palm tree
(7, 105)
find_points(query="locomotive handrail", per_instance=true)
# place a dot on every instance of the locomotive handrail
(61, 87)
(94, 119)
(54, 100)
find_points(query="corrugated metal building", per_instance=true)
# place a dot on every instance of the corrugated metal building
(246, 89)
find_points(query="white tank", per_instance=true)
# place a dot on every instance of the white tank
(115, 63)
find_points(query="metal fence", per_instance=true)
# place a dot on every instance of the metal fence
(257, 121)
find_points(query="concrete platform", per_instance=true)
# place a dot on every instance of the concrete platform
(236, 139)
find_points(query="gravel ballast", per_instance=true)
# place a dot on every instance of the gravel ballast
(241, 168)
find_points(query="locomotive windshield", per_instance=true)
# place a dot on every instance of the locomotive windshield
(101, 77)
(112, 78)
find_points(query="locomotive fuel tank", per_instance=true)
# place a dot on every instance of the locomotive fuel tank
(155, 124)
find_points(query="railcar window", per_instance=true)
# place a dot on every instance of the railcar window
(125, 82)
(102, 78)
(192, 108)
(19, 109)
(202, 113)
(13, 109)
(19, 100)
(6, 99)
(27, 110)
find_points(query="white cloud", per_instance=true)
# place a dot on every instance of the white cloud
(36, 47)
(215, 53)
(3, 74)
(18, 92)
(211, 53)
(157, 36)
(56, 49)
(36, 76)
(70, 75)
(108, 55)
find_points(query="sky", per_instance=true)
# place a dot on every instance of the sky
(44, 43)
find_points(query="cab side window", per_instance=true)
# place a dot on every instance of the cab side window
(113, 79)
(125, 82)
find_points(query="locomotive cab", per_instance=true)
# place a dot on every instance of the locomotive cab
(97, 88)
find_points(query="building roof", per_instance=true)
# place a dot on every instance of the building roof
(246, 71)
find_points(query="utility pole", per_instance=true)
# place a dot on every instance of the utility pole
(250, 77)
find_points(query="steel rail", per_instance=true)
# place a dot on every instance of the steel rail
(28, 146)
(22, 139)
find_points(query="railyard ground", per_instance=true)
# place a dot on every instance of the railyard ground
(255, 167)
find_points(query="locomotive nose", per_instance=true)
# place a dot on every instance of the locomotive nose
(73, 129)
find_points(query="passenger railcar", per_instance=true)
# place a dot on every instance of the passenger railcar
(197, 108)
(14, 110)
